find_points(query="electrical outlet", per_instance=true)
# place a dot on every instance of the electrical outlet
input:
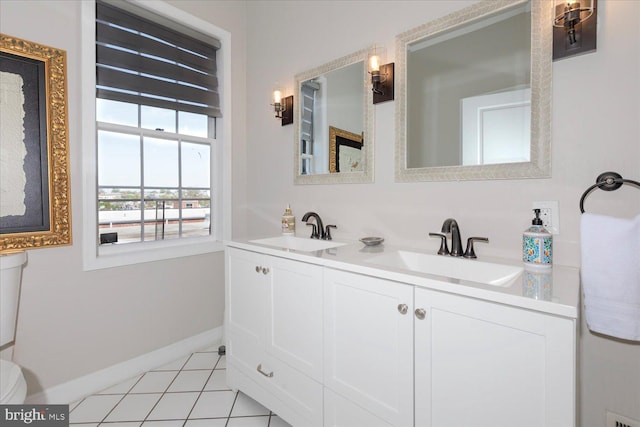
(550, 215)
(617, 420)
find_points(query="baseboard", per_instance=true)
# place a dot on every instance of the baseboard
(78, 388)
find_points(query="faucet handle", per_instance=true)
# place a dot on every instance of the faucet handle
(327, 235)
(469, 252)
(314, 231)
(444, 249)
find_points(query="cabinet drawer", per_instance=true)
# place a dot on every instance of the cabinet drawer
(237, 380)
(245, 355)
(339, 411)
(293, 388)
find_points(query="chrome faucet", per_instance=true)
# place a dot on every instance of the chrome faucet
(450, 226)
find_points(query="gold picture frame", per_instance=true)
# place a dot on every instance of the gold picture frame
(345, 140)
(38, 211)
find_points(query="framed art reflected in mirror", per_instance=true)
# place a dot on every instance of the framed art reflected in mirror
(34, 181)
(345, 151)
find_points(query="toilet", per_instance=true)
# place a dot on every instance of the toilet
(13, 387)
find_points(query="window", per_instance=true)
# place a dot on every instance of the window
(160, 180)
(156, 107)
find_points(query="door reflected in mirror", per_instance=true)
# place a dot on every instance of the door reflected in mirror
(333, 141)
(471, 104)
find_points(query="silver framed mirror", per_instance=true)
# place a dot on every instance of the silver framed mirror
(334, 141)
(471, 84)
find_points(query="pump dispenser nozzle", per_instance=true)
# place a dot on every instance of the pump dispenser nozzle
(537, 220)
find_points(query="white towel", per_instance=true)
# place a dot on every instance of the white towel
(611, 275)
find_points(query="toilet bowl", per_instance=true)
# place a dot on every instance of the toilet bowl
(13, 387)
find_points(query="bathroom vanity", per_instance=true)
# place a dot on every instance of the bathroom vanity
(369, 336)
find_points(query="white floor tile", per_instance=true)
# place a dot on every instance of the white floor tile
(154, 382)
(213, 404)
(176, 365)
(246, 406)
(219, 422)
(132, 424)
(249, 422)
(94, 408)
(170, 423)
(173, 406)
(202, 361)
(121, 388)
(189, 381)
(278, 422)
(134, 407)
(73, 405)
(217, 381)
(222, 363)
(166, 396)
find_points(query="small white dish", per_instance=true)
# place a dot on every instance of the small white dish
(372, 241)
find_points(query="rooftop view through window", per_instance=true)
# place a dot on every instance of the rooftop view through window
(153, 182)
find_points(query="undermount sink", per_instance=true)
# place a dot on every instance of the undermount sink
(489, 273)
(298, 243)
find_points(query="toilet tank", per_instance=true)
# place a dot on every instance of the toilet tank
(10, 278)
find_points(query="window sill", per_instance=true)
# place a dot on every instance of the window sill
(109, 256)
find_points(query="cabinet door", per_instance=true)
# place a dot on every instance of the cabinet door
(294, 315)
(369, 344)
(245, 307)
(484, 364)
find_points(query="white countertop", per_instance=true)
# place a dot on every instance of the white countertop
(557, 293)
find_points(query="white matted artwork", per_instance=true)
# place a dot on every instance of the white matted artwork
(12, 148)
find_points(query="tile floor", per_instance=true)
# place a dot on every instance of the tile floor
(190, 392)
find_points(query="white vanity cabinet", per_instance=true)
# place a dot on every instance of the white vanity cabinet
(483, 364)
(274, 333)
(323, 344)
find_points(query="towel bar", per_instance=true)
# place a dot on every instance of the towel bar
(607, 181)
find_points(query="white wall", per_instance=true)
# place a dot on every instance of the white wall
(71, 322)
(596, 116)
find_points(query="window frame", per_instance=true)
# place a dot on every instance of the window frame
(97, 256)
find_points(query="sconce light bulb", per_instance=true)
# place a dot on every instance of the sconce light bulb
(374, 63)
(277, 96)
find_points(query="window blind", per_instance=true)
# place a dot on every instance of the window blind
(146, 59)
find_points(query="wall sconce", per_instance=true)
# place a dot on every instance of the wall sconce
(574, 27)
(283, 106)
(381, 76)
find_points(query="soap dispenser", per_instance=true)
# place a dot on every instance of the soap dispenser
(537, 244)
(288, 222)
